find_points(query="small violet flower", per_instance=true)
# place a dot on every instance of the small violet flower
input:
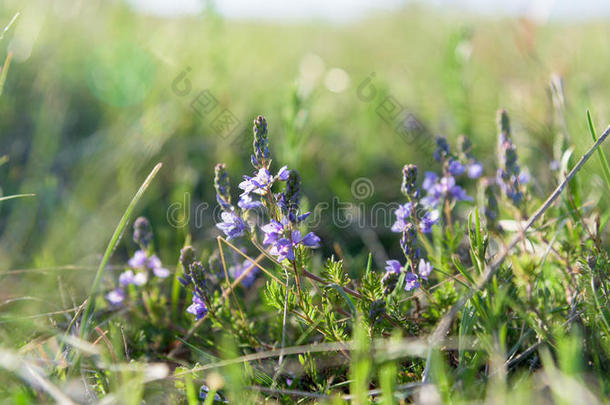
(128, 277)
(141, 260)
(402, 215)
(237, 270)
(431, 218)
(281, 245)
(411, 282)
(257, 184)
(198, 307)
(445, 188)
(116, 296)
(424, 269)
(430, 179)
(232, 225)
(456, 168)
(393, 266)
(475, 170)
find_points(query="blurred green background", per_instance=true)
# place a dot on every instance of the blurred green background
(95, 98)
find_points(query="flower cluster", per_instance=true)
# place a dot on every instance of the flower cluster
(281, 234)
(509, 177)
(409, 224)
(142, 261)
(443, 188)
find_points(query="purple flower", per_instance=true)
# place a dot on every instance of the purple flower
(128, 277)
(446, 184)
(424, 269)
(402, 215)
(232, 225)
(459, 194)
(237, 270)
(139, 260)
(283, 173)
(429, 180)
(198, 307)
(310, 240)
(445, 188)
(283, 247)
(411, 282)
(475, 170)
(393, 266)
(116, 296)
(161, 272)
(524, 177)
(431, 218)
(257, 184)
(273, 231)
(153, 262)
(456, 168)
(246, 202)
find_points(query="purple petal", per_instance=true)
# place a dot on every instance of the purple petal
(393, 266)
(126, 278)
(475, 170)
(138, 260)
(153, 262)
(456, 168)
(311, 240)
(429, 180)
(399, 226)
(283, 173)
(140, 279)
(404, 211)
(411, 282)
(161, 272)
(424, 269)
(116, 296)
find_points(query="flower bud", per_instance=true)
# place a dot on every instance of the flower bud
(142, 232)
(222, 185)
(409, 178)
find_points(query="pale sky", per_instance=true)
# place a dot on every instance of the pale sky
(345, 10)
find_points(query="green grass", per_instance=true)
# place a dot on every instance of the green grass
(89, 105)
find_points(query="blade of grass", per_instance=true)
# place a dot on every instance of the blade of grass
(4, 71)
(10, 197)
(10, 24)
(116, 236)
(176, 282)
(600, 152)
